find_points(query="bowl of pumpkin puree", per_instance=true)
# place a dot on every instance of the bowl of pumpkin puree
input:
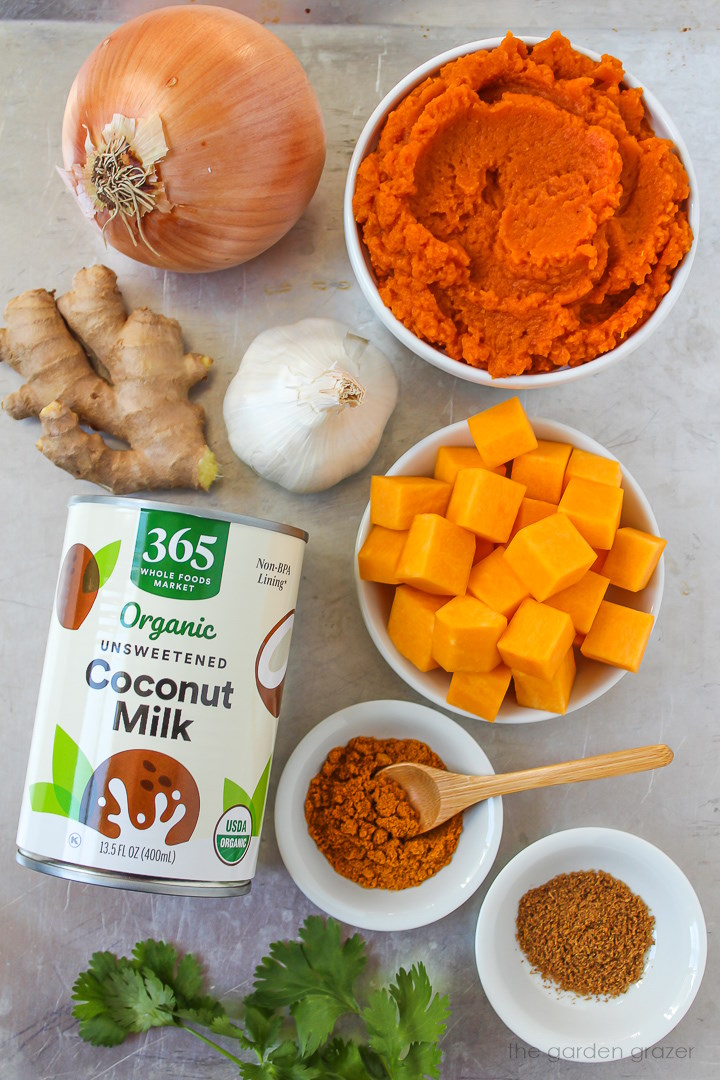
(521, 212)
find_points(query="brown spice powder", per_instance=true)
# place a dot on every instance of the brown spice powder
(586, 931)
(364, 824)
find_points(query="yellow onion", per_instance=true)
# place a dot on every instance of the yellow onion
(193, 137)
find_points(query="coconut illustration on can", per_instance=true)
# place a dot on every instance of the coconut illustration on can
(141, 790)
(272, 661)
(78, 586)
(82, 575)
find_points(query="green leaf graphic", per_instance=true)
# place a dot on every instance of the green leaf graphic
(234, 795)
(106, 558)
(259, 796)
(71, 771)
(47, 799)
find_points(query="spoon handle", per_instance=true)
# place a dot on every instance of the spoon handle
(617, 763)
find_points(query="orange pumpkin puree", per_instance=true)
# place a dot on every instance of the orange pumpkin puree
(519, 212)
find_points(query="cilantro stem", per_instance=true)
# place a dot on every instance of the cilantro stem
(215, 1046)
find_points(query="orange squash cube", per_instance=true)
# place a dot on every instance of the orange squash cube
(410, 626)
(497, 585)
(379, 555)
(594, 510)
(581, 600)
(532, 510)
(466, 634)
(536, 639)
(395, 500)
(549, 555)
(618, 636)
(485, 503)
(593, 467)
(542, 470)
(502, 432)
(483, 548)
(600, 557)
(632, 559)
(480, 693)
(437, 556)
(552, 695)
(449, 460)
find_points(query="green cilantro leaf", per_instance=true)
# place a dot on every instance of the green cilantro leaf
(184, 978)
(315, 1016)
(114, 999)
(403, 1016)
(346, 1060)
(422, 1017)
(139, 1002)
(263, 1027)
(229, 1029)
(317, 964)
(422, 1059)
(156, 956)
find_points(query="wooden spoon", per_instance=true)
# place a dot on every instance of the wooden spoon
(437, 795)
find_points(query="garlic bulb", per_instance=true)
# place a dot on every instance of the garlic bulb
(309, 404)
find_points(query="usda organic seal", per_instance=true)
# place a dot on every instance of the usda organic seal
(232, 834)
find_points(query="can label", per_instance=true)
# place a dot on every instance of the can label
(160, 693)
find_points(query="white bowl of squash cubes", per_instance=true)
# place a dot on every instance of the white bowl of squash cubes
(509, 570)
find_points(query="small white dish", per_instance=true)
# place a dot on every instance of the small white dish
(561, 1024)
(664, 127)
(593, 678)
(386, 909)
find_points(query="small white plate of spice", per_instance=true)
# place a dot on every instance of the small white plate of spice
(591, 945)
(346, 836)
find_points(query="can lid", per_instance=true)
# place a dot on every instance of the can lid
(215, 515)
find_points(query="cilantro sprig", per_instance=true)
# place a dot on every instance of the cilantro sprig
(301, 992)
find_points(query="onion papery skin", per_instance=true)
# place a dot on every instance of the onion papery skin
(242, 122)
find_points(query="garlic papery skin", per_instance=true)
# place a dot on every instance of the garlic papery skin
(309, 404)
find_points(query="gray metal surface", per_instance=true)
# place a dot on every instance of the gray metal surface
(658, 413)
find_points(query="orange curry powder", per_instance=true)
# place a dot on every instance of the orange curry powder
(519, 213)
(364, 824)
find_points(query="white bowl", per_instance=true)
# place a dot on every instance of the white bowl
(593, 678)
(386, 909)
(560, 1023)
(664, 127)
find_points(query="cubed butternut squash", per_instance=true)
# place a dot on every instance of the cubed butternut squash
(485, 503)
(594, 510)
(581, 600)
(483, 548)
(480, 693)
(542, 470)
(549, 555)
(395, 500)
(450, 459)
(536, 639)
(494, 582)
(378, 557)
(600, 557)
(532, 510)
(502, 432)
(466, 634)
(590, 466)
(410, 626)
(632, 559)
(437, 556)
(618, 636)
(552, 695)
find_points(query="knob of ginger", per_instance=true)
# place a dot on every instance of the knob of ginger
(86, 362)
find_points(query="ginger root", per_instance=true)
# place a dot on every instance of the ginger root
(86, 362)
